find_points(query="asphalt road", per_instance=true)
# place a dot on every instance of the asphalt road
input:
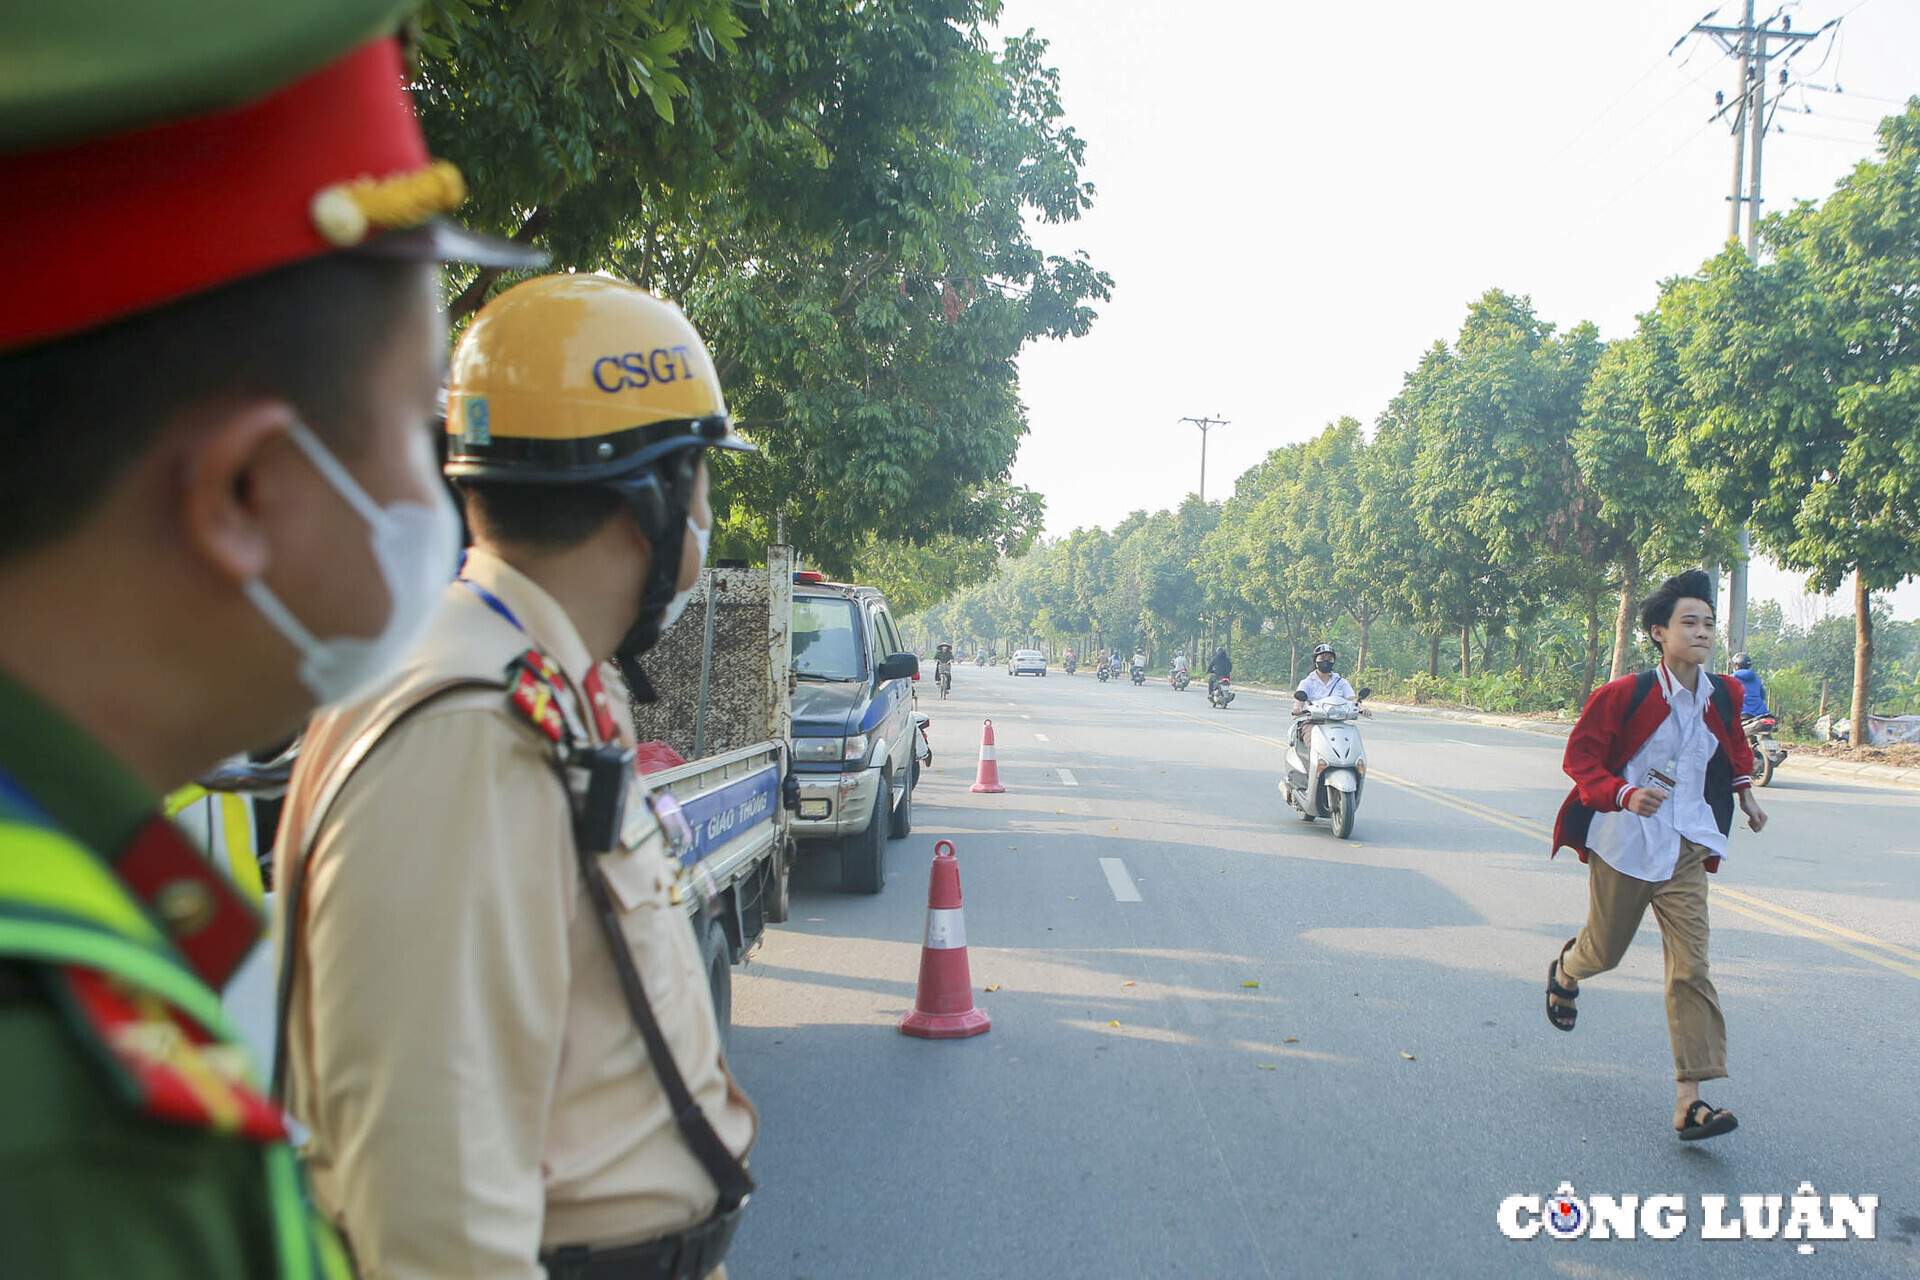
(1139, 1109)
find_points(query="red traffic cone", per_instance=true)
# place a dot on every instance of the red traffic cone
(988, 779)
(943, 1008)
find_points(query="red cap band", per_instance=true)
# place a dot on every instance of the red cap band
(119, 224)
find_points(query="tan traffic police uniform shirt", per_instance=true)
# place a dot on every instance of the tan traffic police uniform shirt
(457, 1039)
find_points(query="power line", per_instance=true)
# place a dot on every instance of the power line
(1658, 165)
(1863, 143)
(1848, 93)
(1587, 128)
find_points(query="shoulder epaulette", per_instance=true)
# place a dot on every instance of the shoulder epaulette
(164, 1063)
(537, 694)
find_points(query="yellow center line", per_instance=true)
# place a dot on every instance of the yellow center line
(1867, 938)
(1784, 919)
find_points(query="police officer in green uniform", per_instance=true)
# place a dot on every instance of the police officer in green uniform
(219, 354)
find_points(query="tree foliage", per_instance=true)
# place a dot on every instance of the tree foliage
(837, 191)
(1800, 405)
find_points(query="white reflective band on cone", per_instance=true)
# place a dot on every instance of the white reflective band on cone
(946, 930)
(986, 753)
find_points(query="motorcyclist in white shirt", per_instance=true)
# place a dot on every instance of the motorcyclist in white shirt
(1321, 682)
(1180, 662)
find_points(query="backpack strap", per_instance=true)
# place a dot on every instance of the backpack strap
(1642, 686)
(1723, 703)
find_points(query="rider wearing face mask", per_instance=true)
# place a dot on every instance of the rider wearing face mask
(218, 506)
(462, 1035)
(1321, 682)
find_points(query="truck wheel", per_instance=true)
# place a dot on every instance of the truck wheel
(863, 858)
(900, 821)
(719, 966)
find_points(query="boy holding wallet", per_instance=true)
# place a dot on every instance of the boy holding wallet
(1658, 761)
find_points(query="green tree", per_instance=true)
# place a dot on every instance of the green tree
(1802, 376)
(839, 194)
(1642, 516)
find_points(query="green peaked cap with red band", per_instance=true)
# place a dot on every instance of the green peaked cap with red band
(149, 151)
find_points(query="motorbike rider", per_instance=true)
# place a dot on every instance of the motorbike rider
(1321, 682)
(1219, 669)
(1180, 662)
(1140, 659)
(1755, 703)
(943, 661)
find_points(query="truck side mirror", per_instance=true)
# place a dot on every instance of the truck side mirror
(898, 666)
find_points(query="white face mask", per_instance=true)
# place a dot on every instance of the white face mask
(414, 546)
(678, 605)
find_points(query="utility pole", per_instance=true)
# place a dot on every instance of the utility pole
(1205, 425)
(1748, 42)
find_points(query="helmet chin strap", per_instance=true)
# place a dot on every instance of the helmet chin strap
(663, 580)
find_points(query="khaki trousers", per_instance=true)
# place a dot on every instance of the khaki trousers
(1616, 904)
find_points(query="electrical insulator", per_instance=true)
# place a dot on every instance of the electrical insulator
(1719, 98)
(1783, 77)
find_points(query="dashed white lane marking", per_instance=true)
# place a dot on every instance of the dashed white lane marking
(1067, 779)
(1041, 737)
(1119, 881)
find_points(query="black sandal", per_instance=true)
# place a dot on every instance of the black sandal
(1562, 1016)
(1716, 1122)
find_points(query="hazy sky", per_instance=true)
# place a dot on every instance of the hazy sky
(1296, 201)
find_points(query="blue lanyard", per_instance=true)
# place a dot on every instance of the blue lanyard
(21, 797)
(493, 602)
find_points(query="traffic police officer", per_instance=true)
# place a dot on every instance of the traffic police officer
(220, 306)
(497, 1022)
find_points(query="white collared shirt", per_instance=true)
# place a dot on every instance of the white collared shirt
(1331, 685)
(1682, 747)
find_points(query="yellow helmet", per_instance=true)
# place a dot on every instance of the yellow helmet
(580, 379)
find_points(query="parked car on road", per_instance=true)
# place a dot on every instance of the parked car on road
(855, 743)
(1027, 662)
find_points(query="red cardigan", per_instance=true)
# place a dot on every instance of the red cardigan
(1605, 739)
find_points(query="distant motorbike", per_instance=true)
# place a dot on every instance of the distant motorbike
(1179, 679)
(1139, 675)
(1326, 763)
(1221, 693)
(1767, 753)
(1070, 664)
(943, 676)
(980, 659)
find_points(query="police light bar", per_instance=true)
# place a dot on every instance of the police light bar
(809, 576)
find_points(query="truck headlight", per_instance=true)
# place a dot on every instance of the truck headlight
(817, 750)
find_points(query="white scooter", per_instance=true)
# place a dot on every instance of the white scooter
(1326, 762)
